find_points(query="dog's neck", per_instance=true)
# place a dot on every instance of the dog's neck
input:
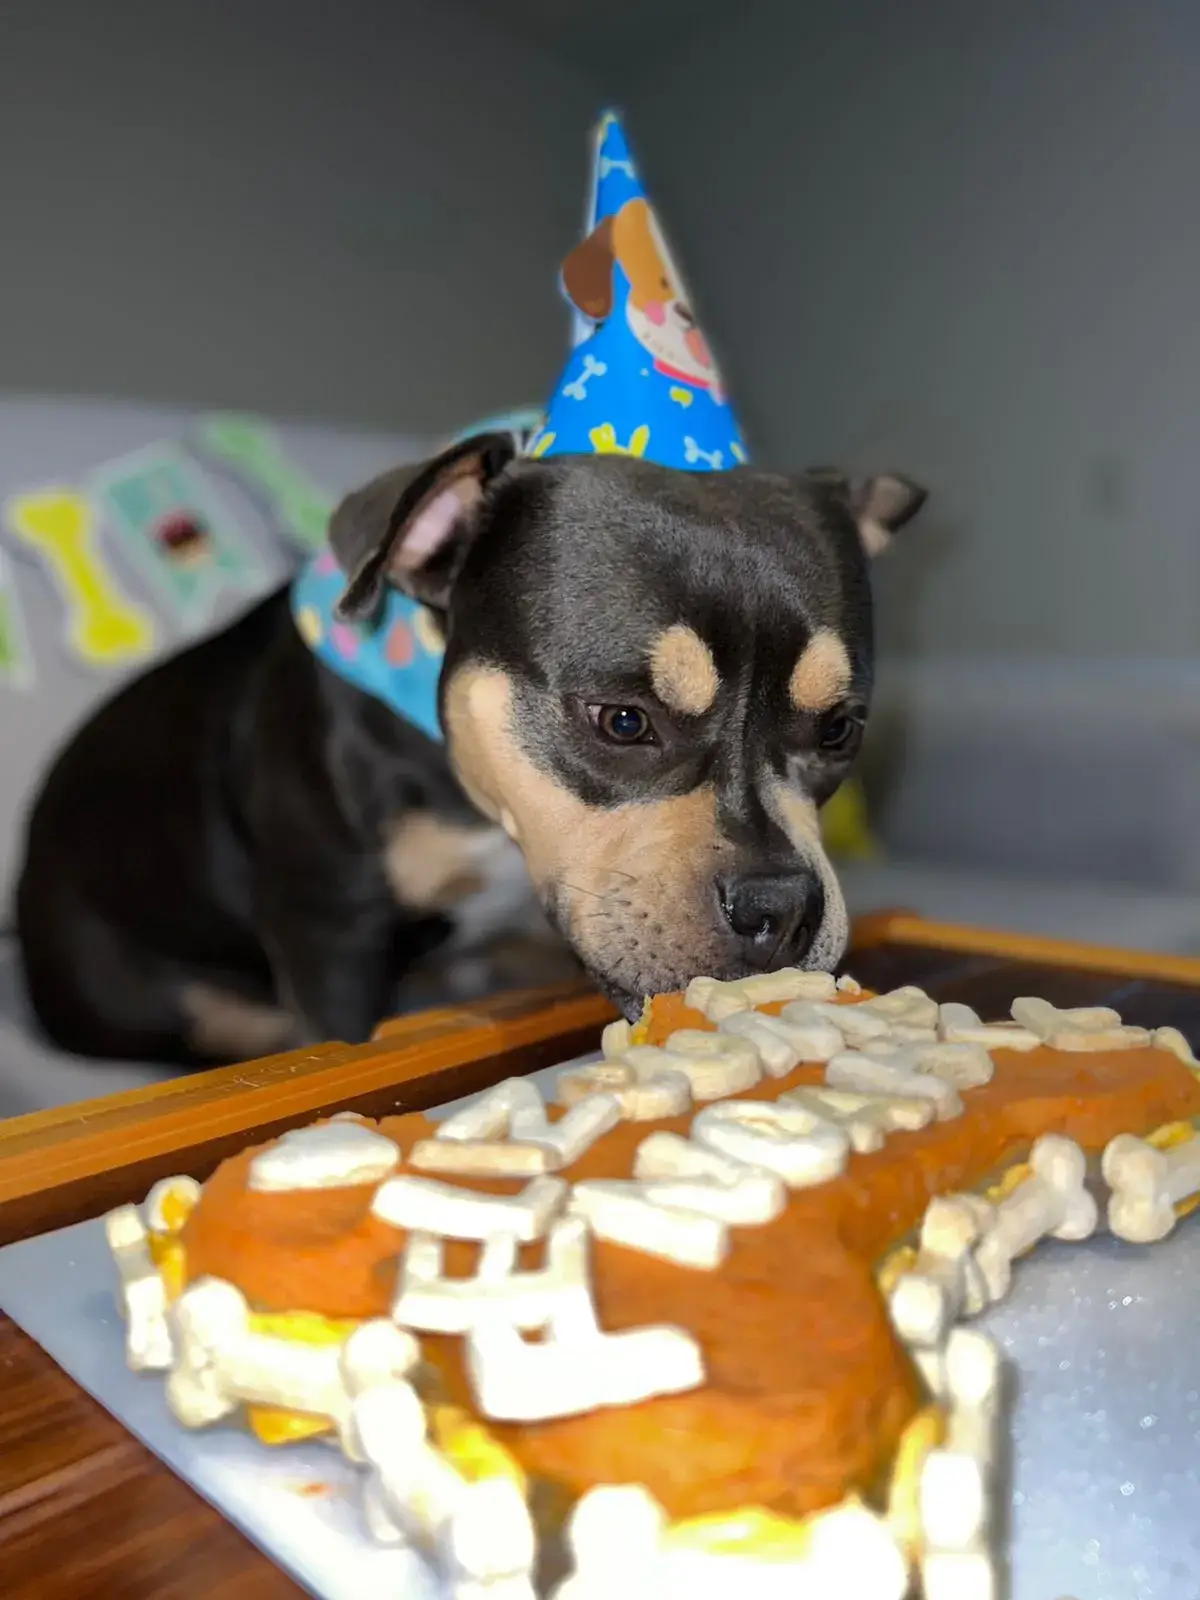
(395, 656)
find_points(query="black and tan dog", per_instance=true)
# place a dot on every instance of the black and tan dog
(652, 680)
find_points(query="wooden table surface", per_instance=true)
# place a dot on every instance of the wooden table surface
(86, 1513)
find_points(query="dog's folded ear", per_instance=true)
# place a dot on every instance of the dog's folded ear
(412, 526)
(881, 505)
(587, 273)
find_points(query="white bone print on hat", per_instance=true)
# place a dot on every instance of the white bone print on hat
(693, 454)
(577, 389)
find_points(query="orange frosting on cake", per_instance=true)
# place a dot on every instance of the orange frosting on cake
(808, 1388)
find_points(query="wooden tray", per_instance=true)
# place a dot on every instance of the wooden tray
(84, 1509)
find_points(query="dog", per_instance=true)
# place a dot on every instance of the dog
(652, 680)
(657, 309)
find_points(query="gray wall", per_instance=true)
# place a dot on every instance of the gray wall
(964, 240)
(346, 212)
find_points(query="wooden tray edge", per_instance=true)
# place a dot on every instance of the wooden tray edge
(907, 928)
(63, 1166)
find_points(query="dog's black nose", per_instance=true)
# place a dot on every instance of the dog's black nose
(774, 914)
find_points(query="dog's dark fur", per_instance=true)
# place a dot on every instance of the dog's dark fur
(243, 851)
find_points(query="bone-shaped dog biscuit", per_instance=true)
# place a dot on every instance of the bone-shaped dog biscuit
(639, 1215)
(221, 1364)
(866, 1118)
(959, 1024)
(908, 1005)
(506, 1133)
(338, 1154)
(685, 1175)
(492, 1114)
(1147, 1185)
(945, 1281)
(645, 1091)
(423, 1205)
(616, 1038)
(481, 1532)
(858, 1027)
(957, 1479)
(169, 1204)
(1053, 1202)
(576, 1367)
(966, 1066)
(783, 1042)
(622, 1546)
(429, 1301)
(798, 1145)
(1080, 1028)
(858, 1070)
(717, 999)
(715, 1064)
(103, 626)
(614, 1537)
(1172, 1040)
(142, 1294)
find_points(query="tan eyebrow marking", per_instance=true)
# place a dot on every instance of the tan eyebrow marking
(821, 675)
(683, 671)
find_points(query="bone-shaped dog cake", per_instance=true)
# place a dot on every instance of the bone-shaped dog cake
(103, 626)
(694, 1292)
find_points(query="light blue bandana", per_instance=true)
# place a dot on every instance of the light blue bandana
(640, 381)
(397, 656)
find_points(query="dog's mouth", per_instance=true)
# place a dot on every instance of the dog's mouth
(629, 1002)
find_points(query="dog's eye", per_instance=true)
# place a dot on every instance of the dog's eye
(622, 724)
(839, 731)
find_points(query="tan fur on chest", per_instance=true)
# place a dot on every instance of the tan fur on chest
(433, 865)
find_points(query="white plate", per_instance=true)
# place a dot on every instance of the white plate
(1106, 1433)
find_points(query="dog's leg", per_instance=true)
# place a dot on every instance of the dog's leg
(334, 968)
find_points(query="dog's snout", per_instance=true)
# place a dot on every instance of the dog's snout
(774, 915)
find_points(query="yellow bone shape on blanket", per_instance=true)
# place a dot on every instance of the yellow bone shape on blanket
(103, 627)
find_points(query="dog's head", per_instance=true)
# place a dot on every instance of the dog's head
(657, 309)
(652, 680)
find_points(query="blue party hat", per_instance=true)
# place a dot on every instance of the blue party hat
(641, 379)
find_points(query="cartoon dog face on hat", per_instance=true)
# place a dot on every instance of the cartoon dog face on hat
(656, 308)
